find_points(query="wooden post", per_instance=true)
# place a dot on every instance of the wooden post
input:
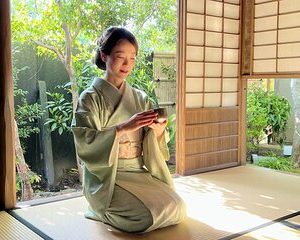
(45, 136)
(247, 37)
(7, 149)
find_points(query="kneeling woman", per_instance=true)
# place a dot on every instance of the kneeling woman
(126, 180)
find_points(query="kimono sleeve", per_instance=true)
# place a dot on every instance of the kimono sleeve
(96, 146)
(163, 142)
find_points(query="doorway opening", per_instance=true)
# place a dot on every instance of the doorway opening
(52, 53)
(272, 123)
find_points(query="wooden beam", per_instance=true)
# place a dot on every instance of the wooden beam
(7, 150)
(180, 77)
(247, 36)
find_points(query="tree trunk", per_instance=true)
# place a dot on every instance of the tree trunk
(22, 169)
(295, 89)
(75, 96)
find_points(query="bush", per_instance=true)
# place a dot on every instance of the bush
(265, 109)
(277, 163)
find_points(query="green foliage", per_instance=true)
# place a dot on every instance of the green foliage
(278, 163)
(34, 179)
(171, 126)
(26, 114)
(85, 76)
(60, 113)
(169, 71)
(264, 109)
(157, 19)
(142, 77)
(47, 24)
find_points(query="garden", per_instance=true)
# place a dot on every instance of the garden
(53, 47)
(268, 120)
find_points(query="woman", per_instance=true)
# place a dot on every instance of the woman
(126, 180)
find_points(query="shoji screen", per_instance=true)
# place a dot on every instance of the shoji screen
(208, 111)
(276, 43)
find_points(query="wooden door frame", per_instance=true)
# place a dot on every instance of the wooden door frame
(180, 88)
(181, 96)
(7, 150)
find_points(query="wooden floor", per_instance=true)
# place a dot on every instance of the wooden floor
(242, 202)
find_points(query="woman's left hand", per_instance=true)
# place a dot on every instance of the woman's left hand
(158, 128)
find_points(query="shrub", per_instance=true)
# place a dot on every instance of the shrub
(266, 109)
(278, 163)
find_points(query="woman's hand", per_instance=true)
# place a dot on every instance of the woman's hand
(136, 122)
(158, 128)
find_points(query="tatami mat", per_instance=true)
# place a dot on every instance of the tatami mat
(288, 229)
(12, 229)
(220, 204)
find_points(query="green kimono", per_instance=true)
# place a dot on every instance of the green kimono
(134, 194)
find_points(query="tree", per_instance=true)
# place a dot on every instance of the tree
(25, 116)
(67, 30)
(295, 89)
(265, 109)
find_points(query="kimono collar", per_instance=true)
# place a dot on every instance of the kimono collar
(110, 91)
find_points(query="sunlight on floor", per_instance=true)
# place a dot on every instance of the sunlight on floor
(209, 206)
(276, 231)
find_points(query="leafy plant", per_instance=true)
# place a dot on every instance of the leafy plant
(169, 71)
(265, 109)
(60, 113)
(34, 179)
(278, 163)
(142, 77)
(26, 116)
(171, 126)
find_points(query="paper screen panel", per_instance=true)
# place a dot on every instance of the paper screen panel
(232, 1)
(231, 26)
(231, 11)
(194, 84)
(288, 6)
(213, 69)
(262, 38)
(194, 53)
(212, 99)
(194, 100)
(266, 23)
(214, 8)
(230, 55)
(195, 21)
(213, 23)
(289, 50)
(213, 54)
(276, 46)
(212, 84)
(263, 52)
(230, 70)
(289, 65)
(237, 2)
(230, 84)
(265, 66)
(213, 39)
(289, 20)
(196, 6)
(229, 99)
(194, 69)
(266, 9)
(195, 37)
(231, 41)
(289, 35)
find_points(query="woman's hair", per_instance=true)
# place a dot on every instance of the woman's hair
(108, 40)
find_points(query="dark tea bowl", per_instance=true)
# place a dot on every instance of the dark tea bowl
(162, 114)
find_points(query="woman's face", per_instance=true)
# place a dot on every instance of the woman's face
(120, 62)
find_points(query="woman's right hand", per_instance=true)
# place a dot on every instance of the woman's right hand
(136, 122)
